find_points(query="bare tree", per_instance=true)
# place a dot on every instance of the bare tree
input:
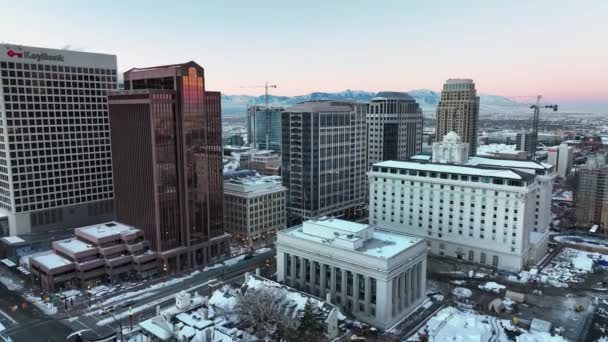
(260, 309)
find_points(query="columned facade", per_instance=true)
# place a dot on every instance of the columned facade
(380, 291)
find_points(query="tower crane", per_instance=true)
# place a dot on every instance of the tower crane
(265, 86)
(534, 137)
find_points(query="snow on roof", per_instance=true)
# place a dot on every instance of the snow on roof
(52, 260)
(187, 332)
(451, 168)
(74, 245)
(338, 224)
(107, 229)
(520, 164)
(497, 148)
(194, 320)
(153, 328)
(13, 239)
(381, 244)
(425, 157)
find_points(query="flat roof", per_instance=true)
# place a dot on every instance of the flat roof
(338, 224)
(74, 245)
(473, 170)
(382, 244)
(107, 229)
(13, 239)
(520, 164)
(51, 260)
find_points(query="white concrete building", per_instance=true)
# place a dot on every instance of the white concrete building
(254, 208)
(55, 164)
(378, 276)
(561, 157)
(450, 150)
(487, 211)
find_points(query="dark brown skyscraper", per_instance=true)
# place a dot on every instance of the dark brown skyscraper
(167, 162)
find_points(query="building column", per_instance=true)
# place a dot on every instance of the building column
(355, 292)
(313, 277)
(322, 281)
(402, 292)
(343, 288)
(281, 267)
(409, 286)
(411, 297)
(302, 272)
(384, 304)
(368, 297)
(332, 284)
(292, 276)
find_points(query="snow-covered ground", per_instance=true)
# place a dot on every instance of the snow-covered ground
(47, 308)
(585, 241)
(10, 284)
(454, 325)
(569, 266)
(462, 292)
(492, 286)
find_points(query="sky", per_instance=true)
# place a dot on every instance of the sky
(515, 48)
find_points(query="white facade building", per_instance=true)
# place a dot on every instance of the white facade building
(378, 276)
(561, 157)
(487, 211)
(55, 156)
(254, 208)
(450, 150)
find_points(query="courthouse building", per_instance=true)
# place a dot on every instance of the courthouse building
(376, 275)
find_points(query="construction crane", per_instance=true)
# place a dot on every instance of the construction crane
(266, 86)
(534, 137)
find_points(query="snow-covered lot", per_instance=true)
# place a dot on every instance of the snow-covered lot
(456, 325)
(568, 267)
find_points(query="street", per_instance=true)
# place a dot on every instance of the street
(24, 322)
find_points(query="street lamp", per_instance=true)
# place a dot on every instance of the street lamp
(89, 293)
(130, 319)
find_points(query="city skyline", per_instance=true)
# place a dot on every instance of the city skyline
(510, 50)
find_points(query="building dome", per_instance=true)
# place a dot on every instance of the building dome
(451, 138)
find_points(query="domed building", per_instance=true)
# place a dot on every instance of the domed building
(451, 150)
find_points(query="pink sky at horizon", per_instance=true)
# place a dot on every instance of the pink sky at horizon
(555, 48)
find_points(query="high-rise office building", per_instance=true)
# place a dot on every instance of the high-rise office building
(264, 127)
(323, 159)
(167, 157)
(394, 127)
(458, 111)
(55, 162)
(591, 195)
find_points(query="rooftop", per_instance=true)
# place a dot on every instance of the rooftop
(322, 106)
(107, 229)
(74, 245)
(360, 238)
(51, 260)
(474, 170)
(508, 163)
(12, 240)
(253, 185)
(392, 95)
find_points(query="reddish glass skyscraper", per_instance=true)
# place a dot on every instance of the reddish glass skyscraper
(167, 162)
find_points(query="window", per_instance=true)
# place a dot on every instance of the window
(482, 258)
(495, 261)
(471, 255)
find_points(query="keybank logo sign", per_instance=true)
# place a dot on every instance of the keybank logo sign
(35, 56)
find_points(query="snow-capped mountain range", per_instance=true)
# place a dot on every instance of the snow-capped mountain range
(490, 104)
